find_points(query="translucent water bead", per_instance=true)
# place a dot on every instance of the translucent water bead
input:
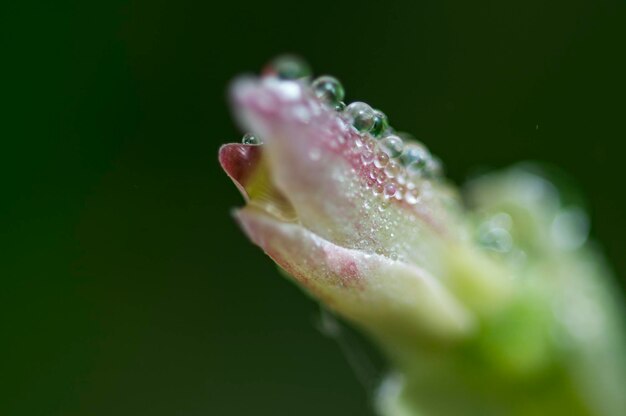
(329, 90)
(381, 123)
(249, 138)
(288, 67)
(415, 159)
(393, 169)
(361, 116)
(382, 159)
(392, 145)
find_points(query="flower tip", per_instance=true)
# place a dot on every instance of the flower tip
(239, 162)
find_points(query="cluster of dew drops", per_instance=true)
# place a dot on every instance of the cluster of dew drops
(395, 162)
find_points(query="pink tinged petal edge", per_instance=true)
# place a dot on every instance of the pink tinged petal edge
(328, 198)
(239, 162)
(306, 142)
(370, 289)
(313, 163)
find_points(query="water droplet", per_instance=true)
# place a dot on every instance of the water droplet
(340, 106)
(378, 188)
(329, 90)
(382, 159)
(390, 189)
(415, 152)
(370, 144)
(372, 173)
(250, 138)
(367, 156)
(361, 115)
(415, 158)
(384, 204)
(392, 145)
(415, 169)
(380, 176)
(381, 123)
(288, 67)
(392, 169)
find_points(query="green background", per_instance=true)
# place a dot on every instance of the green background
(127, 289)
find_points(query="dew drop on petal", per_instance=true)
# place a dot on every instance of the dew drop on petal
(372, 172)
(367, 156)
(370, 143)
(390, 189)
(392, 145)
(250, 138)
(328, 89)
(392, 169)
(382, 159)
(288, 67)
(381, 123)
(415, 169)
(415, 154)
(361, 116)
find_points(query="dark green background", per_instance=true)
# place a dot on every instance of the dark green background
(126, 287)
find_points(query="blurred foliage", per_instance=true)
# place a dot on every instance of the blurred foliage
(126, 289)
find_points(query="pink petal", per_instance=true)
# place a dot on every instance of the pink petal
(309, 173)
(369, 289)
(312, 160)
(239, 161)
